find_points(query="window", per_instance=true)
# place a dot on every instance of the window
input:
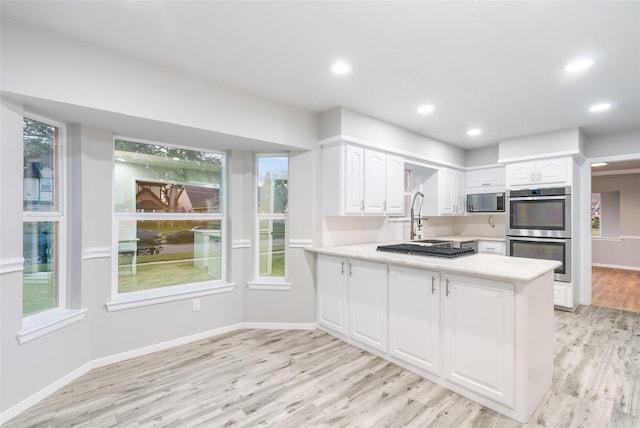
(43, 227)
(595, 214)
(271, 221)
(169, 218)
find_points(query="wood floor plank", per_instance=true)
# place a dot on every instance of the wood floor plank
(284, 378)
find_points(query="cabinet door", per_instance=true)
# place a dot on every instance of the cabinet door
(478, 328)
(521, 173)
(414, 317)
(368, 303)
(332, 292)
(354, 176)
(553, 171)
(485, 180)
(445, 191)
(375, 182)
(458, 193)
(395, 185)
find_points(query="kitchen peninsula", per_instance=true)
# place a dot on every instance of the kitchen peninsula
(480, 325)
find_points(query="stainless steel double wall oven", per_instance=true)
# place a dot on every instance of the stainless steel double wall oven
(539, 226)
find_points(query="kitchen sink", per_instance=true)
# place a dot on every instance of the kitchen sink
(432, 243)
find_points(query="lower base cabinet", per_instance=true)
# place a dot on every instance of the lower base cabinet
(458, 331)
(352, 299)
(478, 336)
(414, 317)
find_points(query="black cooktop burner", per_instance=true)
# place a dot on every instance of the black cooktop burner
(421, 250)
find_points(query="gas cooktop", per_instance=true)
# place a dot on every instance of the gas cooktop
(420, 250)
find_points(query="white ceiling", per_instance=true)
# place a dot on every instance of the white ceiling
(492, 65)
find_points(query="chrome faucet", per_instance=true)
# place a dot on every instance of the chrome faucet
(412, 233)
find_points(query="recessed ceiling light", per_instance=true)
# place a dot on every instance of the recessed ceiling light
(578, 65)
(600, 107)
(341, 68)
(599, 164)
(474, 132)
(424, 109)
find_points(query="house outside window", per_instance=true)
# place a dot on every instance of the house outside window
(169, 225)
(271, 220)
(43, 242)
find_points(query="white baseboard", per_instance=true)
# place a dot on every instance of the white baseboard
(279, 326)
(605, 265)
(15, 410)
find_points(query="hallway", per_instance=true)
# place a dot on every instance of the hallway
(616, 288)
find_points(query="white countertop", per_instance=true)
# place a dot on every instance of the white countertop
(500, 268)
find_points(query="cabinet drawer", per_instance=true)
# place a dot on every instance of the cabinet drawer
(491, 247)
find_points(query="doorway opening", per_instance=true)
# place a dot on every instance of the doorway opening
(615, 235)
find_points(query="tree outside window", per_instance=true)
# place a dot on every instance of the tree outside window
(43, 218)
(272, 207)
(169, 216)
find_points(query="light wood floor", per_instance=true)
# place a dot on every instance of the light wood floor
(285, 378)
(615, 288)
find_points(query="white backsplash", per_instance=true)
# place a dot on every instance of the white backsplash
(361, 229)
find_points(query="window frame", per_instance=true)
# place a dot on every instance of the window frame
(599, 235)
(269, 282)
(59, 216)
(132, 299)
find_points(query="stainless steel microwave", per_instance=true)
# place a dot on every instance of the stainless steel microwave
(485, 202)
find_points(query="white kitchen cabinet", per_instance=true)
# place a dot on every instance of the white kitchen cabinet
(450, 192)
(352, 299)
(368, 303)
(563, 295)
(478, 336)
(353, 182)
(492, 247)
(395, 185)
(414, 317)
(485, 180)
(375, 182)
(360, 181)
(332, 282)
(539, 172)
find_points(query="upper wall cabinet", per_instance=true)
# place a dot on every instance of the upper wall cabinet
(360, 181)
(485, 180)
(539, 172)
(451, 192)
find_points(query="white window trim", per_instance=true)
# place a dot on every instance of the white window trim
(60, 217)
(277, 283)
(121, 301)
(45, 323)
(137, 299)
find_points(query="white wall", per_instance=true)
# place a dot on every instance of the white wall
(557, 143)
(99, 80)
(386, 136)
(623, 249)
(625, 143)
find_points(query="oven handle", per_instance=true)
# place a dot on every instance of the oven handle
(535, 239)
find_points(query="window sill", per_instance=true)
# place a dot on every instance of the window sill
(42, 326)
(273, 284)
(154, 297)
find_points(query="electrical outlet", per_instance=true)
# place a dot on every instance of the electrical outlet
(196, 305)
